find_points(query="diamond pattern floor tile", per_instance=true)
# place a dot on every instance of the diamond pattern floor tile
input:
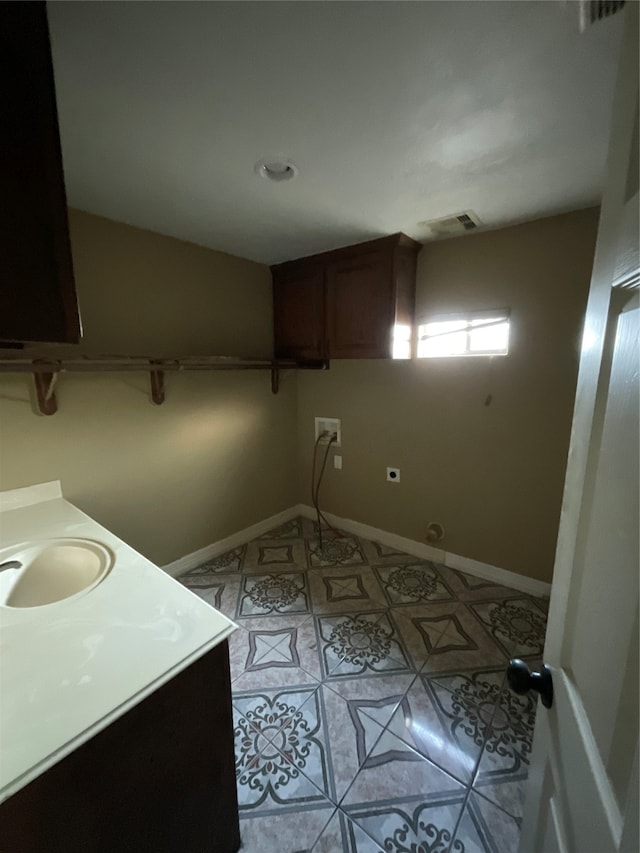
(270, 652)
(447, 638)
(345, 589)
(369, 698)
(395, 770)
(377, 696)
(378, 554)
(218, 589)
(436, 725)
(274, 555)
(470, 588)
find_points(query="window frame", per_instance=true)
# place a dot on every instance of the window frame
(466, 319)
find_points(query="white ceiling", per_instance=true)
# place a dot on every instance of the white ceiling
(395, 113)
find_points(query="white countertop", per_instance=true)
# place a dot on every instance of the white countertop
(69, 669)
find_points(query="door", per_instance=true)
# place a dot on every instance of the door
(582, 793)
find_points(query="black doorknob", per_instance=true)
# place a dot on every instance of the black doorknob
(522, 680)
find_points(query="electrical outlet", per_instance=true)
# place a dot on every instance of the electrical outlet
(337, 462)
(393, 475)
(331, 426)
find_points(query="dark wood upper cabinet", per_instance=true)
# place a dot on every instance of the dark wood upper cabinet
(299, 313)
(361, 303)
(347, 302)
(37, 292)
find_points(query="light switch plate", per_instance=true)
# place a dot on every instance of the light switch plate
(337, 462)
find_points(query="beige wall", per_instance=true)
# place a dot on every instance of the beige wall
(493, 475)
(217, 455)
(220, 453)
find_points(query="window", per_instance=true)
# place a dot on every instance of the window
(471, 333)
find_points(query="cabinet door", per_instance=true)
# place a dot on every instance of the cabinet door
(37, 292)
(160, 779)
(360, 306)
(298, 313)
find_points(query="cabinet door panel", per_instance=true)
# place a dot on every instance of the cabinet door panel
(37, 292)
(298, 310)
(360, 301)
(160, 778)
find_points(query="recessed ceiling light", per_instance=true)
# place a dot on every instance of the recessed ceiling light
(276, 170)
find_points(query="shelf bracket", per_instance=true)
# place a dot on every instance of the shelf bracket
(157, 383)
(275, 377)
(45, 384)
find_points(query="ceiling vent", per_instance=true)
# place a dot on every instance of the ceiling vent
(592, 11)
(451, 226)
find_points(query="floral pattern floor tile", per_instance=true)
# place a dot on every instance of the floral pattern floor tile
(411, 826)
(274, 594)
(230, 561)
(345, 551)
(281, 756)
(504, 764)
(369, 698)
(412, 583)
(516, 624)
(360, 644)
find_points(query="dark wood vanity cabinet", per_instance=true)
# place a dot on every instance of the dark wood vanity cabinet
(160, 778)
(345, 303)
(37, 292)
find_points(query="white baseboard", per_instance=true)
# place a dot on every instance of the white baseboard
(410, 546)
(190, 561)
(392, 540)
(523, 583)
(437, 555)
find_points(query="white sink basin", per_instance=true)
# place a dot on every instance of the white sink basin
(53, 570)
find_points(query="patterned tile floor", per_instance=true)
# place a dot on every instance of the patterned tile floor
(369, 697)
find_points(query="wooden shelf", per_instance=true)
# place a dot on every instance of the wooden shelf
(46, 371)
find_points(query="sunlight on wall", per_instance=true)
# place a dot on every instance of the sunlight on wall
(229, 424)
